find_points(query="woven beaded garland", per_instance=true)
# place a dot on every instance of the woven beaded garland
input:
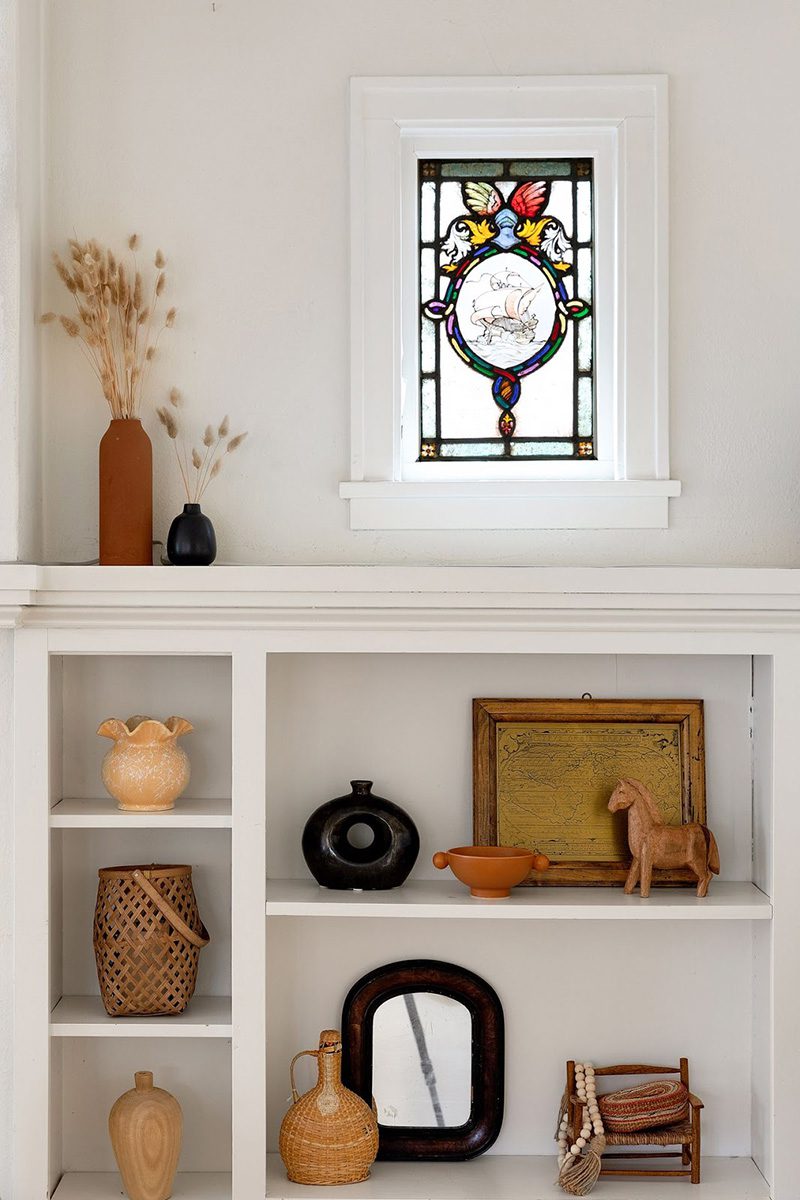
(570, 1177)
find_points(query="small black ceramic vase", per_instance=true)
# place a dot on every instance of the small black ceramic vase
(191, 541)
(336, 862)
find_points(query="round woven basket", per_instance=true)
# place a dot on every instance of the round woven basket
(147, 939)
(646, 1106)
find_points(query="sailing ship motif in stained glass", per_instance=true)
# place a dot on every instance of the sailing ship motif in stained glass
(506, 266)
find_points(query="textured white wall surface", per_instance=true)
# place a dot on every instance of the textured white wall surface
(20, 274)
(218, 130)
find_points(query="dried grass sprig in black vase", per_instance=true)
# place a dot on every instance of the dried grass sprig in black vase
(197, 467)
(191, 540)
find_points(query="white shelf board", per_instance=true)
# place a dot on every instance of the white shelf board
(107, 1185)
(443, 898)
(84, 1016)
(104, 814)
(519, 1178)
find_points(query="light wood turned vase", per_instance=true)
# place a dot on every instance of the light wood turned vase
(146, 1125)
(145, 770)
(329, 1135)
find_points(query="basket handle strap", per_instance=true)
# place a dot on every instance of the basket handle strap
(314, 1054)
(168, 913)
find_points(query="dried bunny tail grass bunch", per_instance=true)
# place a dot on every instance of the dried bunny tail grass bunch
(197, 468)
(115, 321)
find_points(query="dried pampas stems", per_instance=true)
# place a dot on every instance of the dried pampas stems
(115, 318)
(197, 469)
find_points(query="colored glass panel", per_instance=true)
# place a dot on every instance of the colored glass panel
(506, 342)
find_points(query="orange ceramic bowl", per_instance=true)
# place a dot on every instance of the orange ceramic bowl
(488, 871)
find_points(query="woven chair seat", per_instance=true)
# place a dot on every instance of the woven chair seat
(672, 1135)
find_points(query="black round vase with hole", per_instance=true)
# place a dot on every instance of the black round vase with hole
(191, 541)
(338, 858)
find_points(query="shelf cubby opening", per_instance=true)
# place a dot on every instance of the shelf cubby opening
(88, 688)
(88, 1074)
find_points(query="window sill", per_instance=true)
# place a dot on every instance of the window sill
(534, 504)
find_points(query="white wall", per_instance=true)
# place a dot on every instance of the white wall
(20, 273)
(405, 721)
(218, 131)
(313, 964)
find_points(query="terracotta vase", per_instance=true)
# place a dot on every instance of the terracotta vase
(329, 1135)
(146, 1125)
(145, 770)
(126, 495)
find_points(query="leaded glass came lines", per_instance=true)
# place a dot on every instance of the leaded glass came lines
(506, 278)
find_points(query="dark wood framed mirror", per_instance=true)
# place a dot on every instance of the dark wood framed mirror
(426, 1039)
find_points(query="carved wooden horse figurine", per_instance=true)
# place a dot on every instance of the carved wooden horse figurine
(654, 844)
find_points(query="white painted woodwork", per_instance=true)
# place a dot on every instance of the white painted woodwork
(105, 1185)
(621, 121)
(32, 1151)
(519, 1177)
(438, 899)
(189, 813)
(305, 678)
(248, 931)
(139, 594)
(84, 1016)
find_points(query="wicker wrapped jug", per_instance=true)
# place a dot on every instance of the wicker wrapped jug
(329, 1135)
(147, 939)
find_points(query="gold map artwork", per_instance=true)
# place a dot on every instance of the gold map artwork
(554, 781)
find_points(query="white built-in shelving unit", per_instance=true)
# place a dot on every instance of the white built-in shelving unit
(299, 679)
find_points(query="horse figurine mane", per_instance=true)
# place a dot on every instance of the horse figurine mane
(647, 798)
(652, 843)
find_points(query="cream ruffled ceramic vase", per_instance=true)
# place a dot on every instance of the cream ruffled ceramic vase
(145, 770)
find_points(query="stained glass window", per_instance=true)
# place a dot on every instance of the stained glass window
(506, 265)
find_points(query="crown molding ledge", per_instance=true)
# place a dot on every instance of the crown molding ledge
(432, 624)
(283, 598)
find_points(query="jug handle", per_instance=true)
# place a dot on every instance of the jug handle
(295, 1093)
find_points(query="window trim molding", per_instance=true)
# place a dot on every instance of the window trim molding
(386, 114)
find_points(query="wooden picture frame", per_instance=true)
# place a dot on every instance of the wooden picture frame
(541, 770)
(431, 1143)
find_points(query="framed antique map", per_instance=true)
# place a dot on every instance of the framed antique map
(544, 770)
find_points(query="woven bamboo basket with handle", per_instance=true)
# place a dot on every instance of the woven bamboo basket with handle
(329, 1135)
(147, 939)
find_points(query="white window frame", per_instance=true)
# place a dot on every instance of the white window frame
(619, 121)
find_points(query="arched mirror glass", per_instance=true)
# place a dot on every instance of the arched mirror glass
(422, 1060)
(424, 1040)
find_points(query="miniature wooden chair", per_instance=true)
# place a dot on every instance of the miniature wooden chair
(685, 1134)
